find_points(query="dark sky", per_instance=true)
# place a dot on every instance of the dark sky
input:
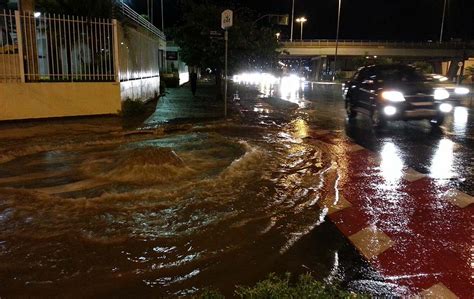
(360, 19)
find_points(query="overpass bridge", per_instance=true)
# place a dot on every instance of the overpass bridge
(444, 57)
(309, 48)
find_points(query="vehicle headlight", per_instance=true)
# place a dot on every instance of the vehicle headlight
(390, 110)
(393, 96)
(461, 90)
(446, 108)
(441, 94)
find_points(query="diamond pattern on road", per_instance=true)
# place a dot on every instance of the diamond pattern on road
(459, 198)
(371, 242)
(437, 291)
(355, 148)
(412, 175)
(334, 205)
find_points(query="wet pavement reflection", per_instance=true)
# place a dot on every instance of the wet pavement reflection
(285, 186)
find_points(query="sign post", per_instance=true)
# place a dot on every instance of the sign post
(227, 20)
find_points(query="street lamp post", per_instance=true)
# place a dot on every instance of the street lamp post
(292, 20)
(442, 22)
(301, 20)
(337, 39)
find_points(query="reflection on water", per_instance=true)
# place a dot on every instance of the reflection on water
(443, 160)
(460, 116)
(391, 165)
(301, 128)
(290, 88)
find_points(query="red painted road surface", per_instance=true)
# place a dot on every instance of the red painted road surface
(430, 234)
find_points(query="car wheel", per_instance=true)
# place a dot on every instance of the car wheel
(351, 113)
(437, 121)
(377, 118)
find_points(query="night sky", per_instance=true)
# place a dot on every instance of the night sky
(410, 20)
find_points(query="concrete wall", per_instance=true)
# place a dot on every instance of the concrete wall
(139, 60)
(42, 100)
(141, 89)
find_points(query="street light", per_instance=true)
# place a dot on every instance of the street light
(278, 35)
(301, 20)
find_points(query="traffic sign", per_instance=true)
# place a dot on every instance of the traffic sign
(227, 19)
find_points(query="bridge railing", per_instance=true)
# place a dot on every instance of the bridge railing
(371, 43)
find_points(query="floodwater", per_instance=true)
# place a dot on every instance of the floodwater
(92, 211)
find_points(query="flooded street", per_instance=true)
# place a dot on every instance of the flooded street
(87, 209)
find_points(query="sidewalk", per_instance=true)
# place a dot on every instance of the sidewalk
(179, 105)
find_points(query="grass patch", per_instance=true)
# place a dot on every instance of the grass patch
(276, 287)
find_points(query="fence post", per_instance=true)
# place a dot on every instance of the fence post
(116, 50)
(19, 38)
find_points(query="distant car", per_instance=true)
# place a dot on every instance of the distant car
(395, 92)
(456, 92)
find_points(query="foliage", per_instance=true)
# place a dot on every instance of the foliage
(170, 80)
(250, 46)
(364, 61)
(211, 294)
(131, 108)
(4, 4)
(87, 8)
(306, 287)
(469, 71)
(423, 66)
(275, 287)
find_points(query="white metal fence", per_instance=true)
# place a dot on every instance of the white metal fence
(9, 58)
(50, 47)
(46, 47)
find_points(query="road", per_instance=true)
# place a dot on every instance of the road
(282, 186)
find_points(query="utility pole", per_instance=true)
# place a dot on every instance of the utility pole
(162, 18)
(442, 22)
(151, 11)
(148, 9)
(292, 20)
(337, 39)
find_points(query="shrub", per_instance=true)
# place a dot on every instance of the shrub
(275, 287)
(131, 108)
(305, 287)
(171, 80)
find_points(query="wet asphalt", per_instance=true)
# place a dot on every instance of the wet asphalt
(117, 230)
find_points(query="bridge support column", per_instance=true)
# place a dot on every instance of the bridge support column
(317, 65)
(454, 68)
(437, 67)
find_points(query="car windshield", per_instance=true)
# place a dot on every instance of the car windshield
(400, 74)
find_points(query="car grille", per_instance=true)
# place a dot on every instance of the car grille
(420, 98)
(420, 101)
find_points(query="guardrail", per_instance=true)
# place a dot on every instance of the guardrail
(371, 43)
(137, 18)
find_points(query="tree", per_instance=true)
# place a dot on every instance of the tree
(4, 4)
(86, 8)
(250, 46)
